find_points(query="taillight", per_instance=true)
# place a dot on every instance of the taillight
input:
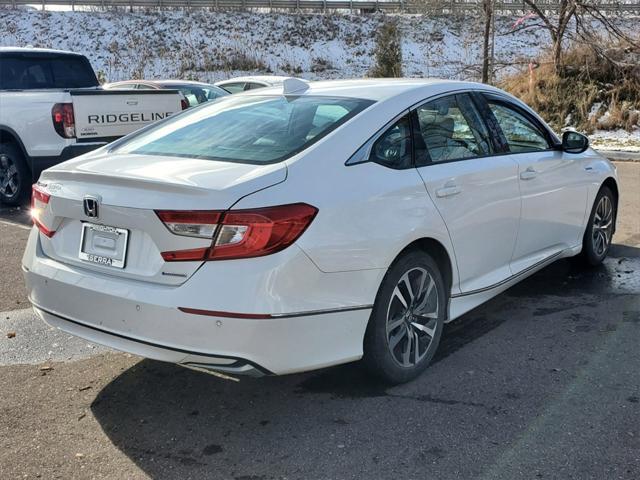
(239, 233)
(63, 120)
(190, 223)
(39, 200)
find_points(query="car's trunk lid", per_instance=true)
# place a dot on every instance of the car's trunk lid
(127, 189)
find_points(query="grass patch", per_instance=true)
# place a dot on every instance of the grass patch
(597, 90)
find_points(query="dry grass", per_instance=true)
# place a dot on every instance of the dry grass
(611, 80)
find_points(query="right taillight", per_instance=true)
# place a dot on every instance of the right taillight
(64, 121)
(238, 233)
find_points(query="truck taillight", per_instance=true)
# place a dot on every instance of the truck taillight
(238, 233)
(39, 201)
(63, 120)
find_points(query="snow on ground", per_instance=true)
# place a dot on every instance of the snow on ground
(616, 140)
(211, 46)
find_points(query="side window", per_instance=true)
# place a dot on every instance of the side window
(233, 87)
(253, 86)
(393, 148)
(451, 129)
(522, 134)
(144, 86)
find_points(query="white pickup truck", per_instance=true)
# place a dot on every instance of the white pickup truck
(52, 109)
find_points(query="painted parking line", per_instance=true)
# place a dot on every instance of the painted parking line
(12, 224)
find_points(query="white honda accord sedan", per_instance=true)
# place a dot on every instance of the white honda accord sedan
(312, 224)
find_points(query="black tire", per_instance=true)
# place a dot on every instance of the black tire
(595, 235)
(15, 177)
(379, 358)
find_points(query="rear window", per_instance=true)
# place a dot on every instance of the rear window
(246, 129)
(30, 72)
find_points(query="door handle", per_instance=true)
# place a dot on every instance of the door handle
(528, 174)
(450, 189)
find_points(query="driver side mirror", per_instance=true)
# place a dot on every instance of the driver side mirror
(574, 142)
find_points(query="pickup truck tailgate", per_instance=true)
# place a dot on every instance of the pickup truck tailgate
(108, 114)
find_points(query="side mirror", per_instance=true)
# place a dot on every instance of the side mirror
(574, 142)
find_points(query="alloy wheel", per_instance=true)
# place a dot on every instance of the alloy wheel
(412, 317)
(9, 180)
(602, 226)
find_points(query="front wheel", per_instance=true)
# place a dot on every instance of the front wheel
(407, 319)
(597, 237)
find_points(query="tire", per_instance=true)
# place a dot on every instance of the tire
(424, 320)
(15, 177)
(597, 236)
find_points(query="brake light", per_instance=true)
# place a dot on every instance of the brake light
(239, 233)
(39, 200)
(64, 121)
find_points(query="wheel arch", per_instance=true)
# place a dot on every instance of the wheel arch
(612, 185)
(8, 135)
(439, 253)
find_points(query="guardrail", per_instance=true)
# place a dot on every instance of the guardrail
(407, 6)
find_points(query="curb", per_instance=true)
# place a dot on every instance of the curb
(620, 156)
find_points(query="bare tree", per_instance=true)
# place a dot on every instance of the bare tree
(582, 12)
(487, 8)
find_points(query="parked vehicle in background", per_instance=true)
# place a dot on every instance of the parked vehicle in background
(194, 93)
(241, 84)
(52, 109)
(308, 225)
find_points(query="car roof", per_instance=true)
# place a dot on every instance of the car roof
(268, 79)
(37, 50)
(163, 82)
(376, 89)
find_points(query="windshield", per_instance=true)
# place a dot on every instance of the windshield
(246, 128)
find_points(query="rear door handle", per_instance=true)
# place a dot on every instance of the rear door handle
(528, 174)
(450, 189)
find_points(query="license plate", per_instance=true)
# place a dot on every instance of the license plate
(103, 245)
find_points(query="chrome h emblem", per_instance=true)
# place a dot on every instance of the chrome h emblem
(90, 207)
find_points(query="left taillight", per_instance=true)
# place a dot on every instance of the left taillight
(238, 233)
(64, 121)
(39, 201)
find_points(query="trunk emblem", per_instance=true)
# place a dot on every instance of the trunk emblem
(91, 206)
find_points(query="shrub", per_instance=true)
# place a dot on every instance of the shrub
(388, 51)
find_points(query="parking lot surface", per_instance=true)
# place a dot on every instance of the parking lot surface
(541, 382)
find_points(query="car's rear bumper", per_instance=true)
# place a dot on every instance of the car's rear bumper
(145, 319)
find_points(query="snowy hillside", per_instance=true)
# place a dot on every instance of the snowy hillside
(211, 46)
(214, 45)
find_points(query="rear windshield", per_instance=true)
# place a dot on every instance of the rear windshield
(30, 72)
(246, 129)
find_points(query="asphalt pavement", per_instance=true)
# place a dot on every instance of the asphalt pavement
(541, 382)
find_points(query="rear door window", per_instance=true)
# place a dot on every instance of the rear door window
(450, 129)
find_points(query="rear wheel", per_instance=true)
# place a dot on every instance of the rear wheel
(407, 319)
(597, 237)
(14, 175)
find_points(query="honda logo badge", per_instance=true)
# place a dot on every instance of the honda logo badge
(91, 207)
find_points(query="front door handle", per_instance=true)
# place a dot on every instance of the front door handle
(450, 189)
(528, 174)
